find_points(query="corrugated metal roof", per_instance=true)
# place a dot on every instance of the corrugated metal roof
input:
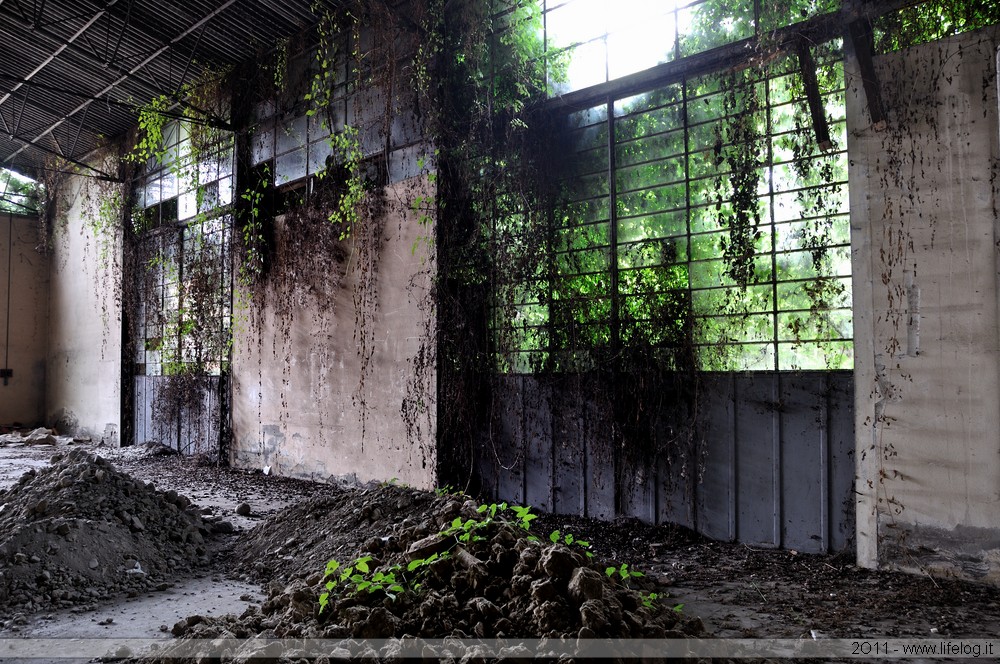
(74, 71)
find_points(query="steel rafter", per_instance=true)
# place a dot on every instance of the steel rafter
(92, 55)
(107, 89)
(128, 106)
(62, 47)
(33, 143)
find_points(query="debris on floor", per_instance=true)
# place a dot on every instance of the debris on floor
(40, 436)
(411, 563)
(79, 531)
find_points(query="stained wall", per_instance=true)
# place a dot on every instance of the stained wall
(335, 376)
(24, 311)
(83, 374)
(925, 261)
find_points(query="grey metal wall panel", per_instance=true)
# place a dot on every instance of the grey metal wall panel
(600, 478)
(776, 467)
(803, 463)
(141, 414)
(569, 447)
(638, 488)
(756, 431)
(538, 448)
(841, 444)
(508, 447)
(677, 481)
(199, 425)
(716, 492)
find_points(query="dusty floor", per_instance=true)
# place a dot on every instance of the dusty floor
(737, 591)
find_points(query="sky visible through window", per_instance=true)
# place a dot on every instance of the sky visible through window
(604, 41)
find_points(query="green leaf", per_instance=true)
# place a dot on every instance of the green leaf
(610, 571)
(414, 564)
(362, 564)
(554, 536)
(482, 508)
(396, 588)
(569, 539)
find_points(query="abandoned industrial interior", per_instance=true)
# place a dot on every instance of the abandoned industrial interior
(305, 303)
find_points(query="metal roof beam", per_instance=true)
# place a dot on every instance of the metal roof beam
(62, 47)
(124, 75)
(129, 106)
(202, 21)
(33, 144)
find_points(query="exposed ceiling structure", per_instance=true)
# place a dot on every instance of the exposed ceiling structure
(73, 72)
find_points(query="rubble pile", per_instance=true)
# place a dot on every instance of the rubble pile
(497, 582)
(79, 531)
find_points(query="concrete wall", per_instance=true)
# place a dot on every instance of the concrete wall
(925, 258)
(83, 386)
(24, 309)
(320, 393)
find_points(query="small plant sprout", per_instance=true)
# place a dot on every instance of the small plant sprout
(622, 571)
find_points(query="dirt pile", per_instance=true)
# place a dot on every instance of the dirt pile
(432, 567)
(79, 530)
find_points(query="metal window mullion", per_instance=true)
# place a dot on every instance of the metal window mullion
(687, 192)
(770, 199)
(613, 218)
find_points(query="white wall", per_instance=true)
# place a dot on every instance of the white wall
(304, 403)
(84, 345)
(23, 320)
(927, 341)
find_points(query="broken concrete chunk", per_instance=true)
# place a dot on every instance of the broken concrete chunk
(585, 584)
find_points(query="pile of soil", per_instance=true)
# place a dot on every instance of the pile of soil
(79, 531)
(497, 582)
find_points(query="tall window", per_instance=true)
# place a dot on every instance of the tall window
(185, 227)
(700, 217)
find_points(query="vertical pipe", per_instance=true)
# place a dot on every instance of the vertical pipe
(10, 272)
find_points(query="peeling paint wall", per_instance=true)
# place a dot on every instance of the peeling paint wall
(925, 260)
(83, 393)
(24, 310)
(304, 402)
